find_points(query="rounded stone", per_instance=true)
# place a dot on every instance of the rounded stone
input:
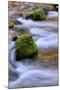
(25, 47)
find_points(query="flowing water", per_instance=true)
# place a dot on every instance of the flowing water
(40, 71)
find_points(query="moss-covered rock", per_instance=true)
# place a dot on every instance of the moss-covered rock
(25, 47)
(38, 14)
(11, 24)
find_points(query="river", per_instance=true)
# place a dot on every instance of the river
(42, 71)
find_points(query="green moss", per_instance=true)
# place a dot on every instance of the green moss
(38, 14)
(11, 25)
(25, 46)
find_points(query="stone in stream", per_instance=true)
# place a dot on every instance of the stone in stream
(25, 47)
(29, 16)
(38, 14)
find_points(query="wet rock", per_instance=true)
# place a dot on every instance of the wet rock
(25, 47)
(38, 14)
(12, 35)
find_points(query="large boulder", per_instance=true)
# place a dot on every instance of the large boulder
(38, 14)
(25, 47)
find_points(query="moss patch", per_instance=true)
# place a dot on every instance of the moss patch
(38, 14)
(25, 46)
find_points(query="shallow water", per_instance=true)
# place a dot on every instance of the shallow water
(28, 72)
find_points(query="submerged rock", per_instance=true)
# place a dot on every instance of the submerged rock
(25, 47)
(38, 14)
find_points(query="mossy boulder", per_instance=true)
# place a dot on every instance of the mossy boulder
(11, 24)
(38, 14)
(25, 47)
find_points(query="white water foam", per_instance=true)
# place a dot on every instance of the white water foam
(41, 24)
